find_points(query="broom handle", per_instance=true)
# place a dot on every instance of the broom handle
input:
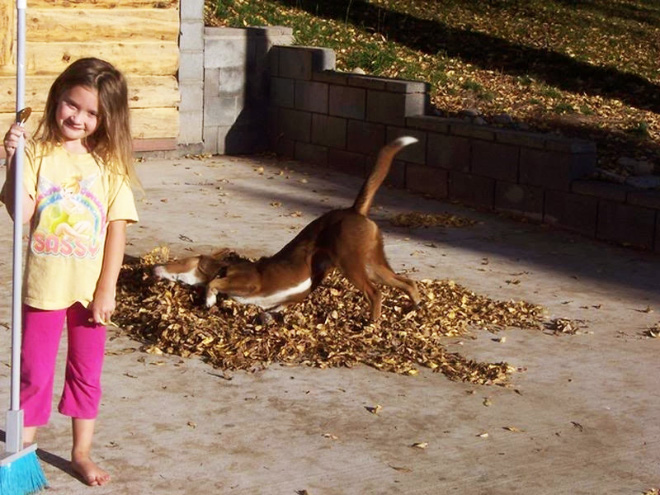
(17, 276)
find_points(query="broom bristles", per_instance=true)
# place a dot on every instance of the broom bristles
(22, 476)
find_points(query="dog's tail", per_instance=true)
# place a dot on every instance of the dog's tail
(377, 176)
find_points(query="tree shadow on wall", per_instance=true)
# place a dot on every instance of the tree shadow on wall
(490, 52)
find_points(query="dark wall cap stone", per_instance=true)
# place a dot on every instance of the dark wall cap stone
(331, 77)
(429, 123)
(601, 189)
(648, 199)
(569, 145)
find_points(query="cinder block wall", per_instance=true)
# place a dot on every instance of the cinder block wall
(340, 120)
(235, 87)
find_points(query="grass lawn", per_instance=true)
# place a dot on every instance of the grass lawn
(583, 68)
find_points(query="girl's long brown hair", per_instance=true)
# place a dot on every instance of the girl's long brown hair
(111, 141)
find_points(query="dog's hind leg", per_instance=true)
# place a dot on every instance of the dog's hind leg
(383, 274)
(354, 270)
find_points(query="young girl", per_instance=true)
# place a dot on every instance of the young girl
(78, 200)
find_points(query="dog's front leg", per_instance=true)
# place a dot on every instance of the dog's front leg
(211, 295)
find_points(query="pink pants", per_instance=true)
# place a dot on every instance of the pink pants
(42, 331)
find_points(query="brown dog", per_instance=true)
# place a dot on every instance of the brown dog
(345, 239)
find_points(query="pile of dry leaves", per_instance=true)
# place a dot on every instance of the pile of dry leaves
(328, 329)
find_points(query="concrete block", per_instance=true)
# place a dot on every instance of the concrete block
(301, 62)
(220, 110)
(331, 77)
(427, 180)
(191, 37)
(519, 138)
(649, 198)
(282, 92)
(273, 59)
(191, 66)
(571, 211)
(223, 52)
(296, 125)
(403, 86)
(364, 137)
(519, 199)
(564, 145)
(231, 81)
(257, 89)
(626, 224)
(449, 152)
(311, 96)
(211, 81)
(367, 82)
(240, 140)
(311, 153)
(191, 127)
(554, 170)
(469, 130)
(192, 97)
(275, 34)
(191, 9)
(329, 131)
(416, 152)
(272, 125)
(428, 123)
(498, 161)
(285, 147)
(347, 162)
(471, 189)
(600, 189)
(211, 144)
(251, 116)
(347, 102)
(396, 177)
(393, 108)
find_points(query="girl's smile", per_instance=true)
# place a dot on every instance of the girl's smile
(77, 117)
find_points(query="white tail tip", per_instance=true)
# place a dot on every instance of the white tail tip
(404, 141)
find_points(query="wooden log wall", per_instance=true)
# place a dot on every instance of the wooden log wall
(139, 37)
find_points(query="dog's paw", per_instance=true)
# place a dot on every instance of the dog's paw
(159, 271)
(268, 317)
(211, 299)
(265, 318)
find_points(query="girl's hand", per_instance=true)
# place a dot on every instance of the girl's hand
(102, 306)
(12, 137)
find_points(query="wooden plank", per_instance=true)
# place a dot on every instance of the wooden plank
(141, 146)
(105, 4)
(76, 25)
(153, 91)
(146, 123)
(7, 30)
(143, 91)
(131, 57)
(151, 123)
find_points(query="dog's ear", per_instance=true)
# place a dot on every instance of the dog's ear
(211, 266)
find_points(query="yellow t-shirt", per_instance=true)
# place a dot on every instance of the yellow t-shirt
(76, 197)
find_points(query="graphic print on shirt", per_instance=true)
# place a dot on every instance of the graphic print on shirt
(70, 219)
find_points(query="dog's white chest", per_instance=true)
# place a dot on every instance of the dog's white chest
(276, 298)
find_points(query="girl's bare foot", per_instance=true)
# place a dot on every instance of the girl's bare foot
(89, 471)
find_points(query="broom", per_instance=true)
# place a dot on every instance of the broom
(20, 472)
